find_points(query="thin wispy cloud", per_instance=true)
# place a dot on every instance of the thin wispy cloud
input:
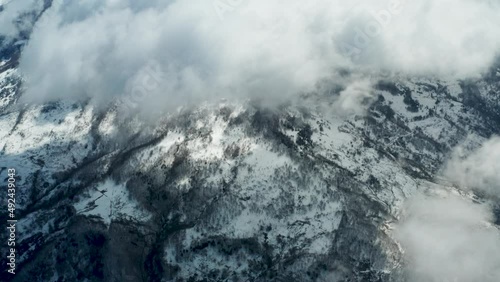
(10, 25)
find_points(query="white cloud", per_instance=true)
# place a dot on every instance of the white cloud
(11, 11)
(478, 169)
(257, 48)
(354, 99)
(449, 239)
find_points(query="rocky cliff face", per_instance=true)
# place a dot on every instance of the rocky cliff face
(229, 191)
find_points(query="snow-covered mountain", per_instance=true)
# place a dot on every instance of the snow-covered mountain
(230, 191)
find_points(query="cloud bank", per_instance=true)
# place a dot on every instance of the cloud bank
(478, 169)
(449, 239)
(248, 48)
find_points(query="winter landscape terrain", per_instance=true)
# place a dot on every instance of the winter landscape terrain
(369, 176)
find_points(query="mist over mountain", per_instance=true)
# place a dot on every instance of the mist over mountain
(250, 140)
(274, 49)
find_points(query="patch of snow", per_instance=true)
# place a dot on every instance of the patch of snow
(454, 88)
(171, 139)
(38, 129)
(111, 201)
(213, 149)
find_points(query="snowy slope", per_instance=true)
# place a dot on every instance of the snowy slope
(230, 191)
